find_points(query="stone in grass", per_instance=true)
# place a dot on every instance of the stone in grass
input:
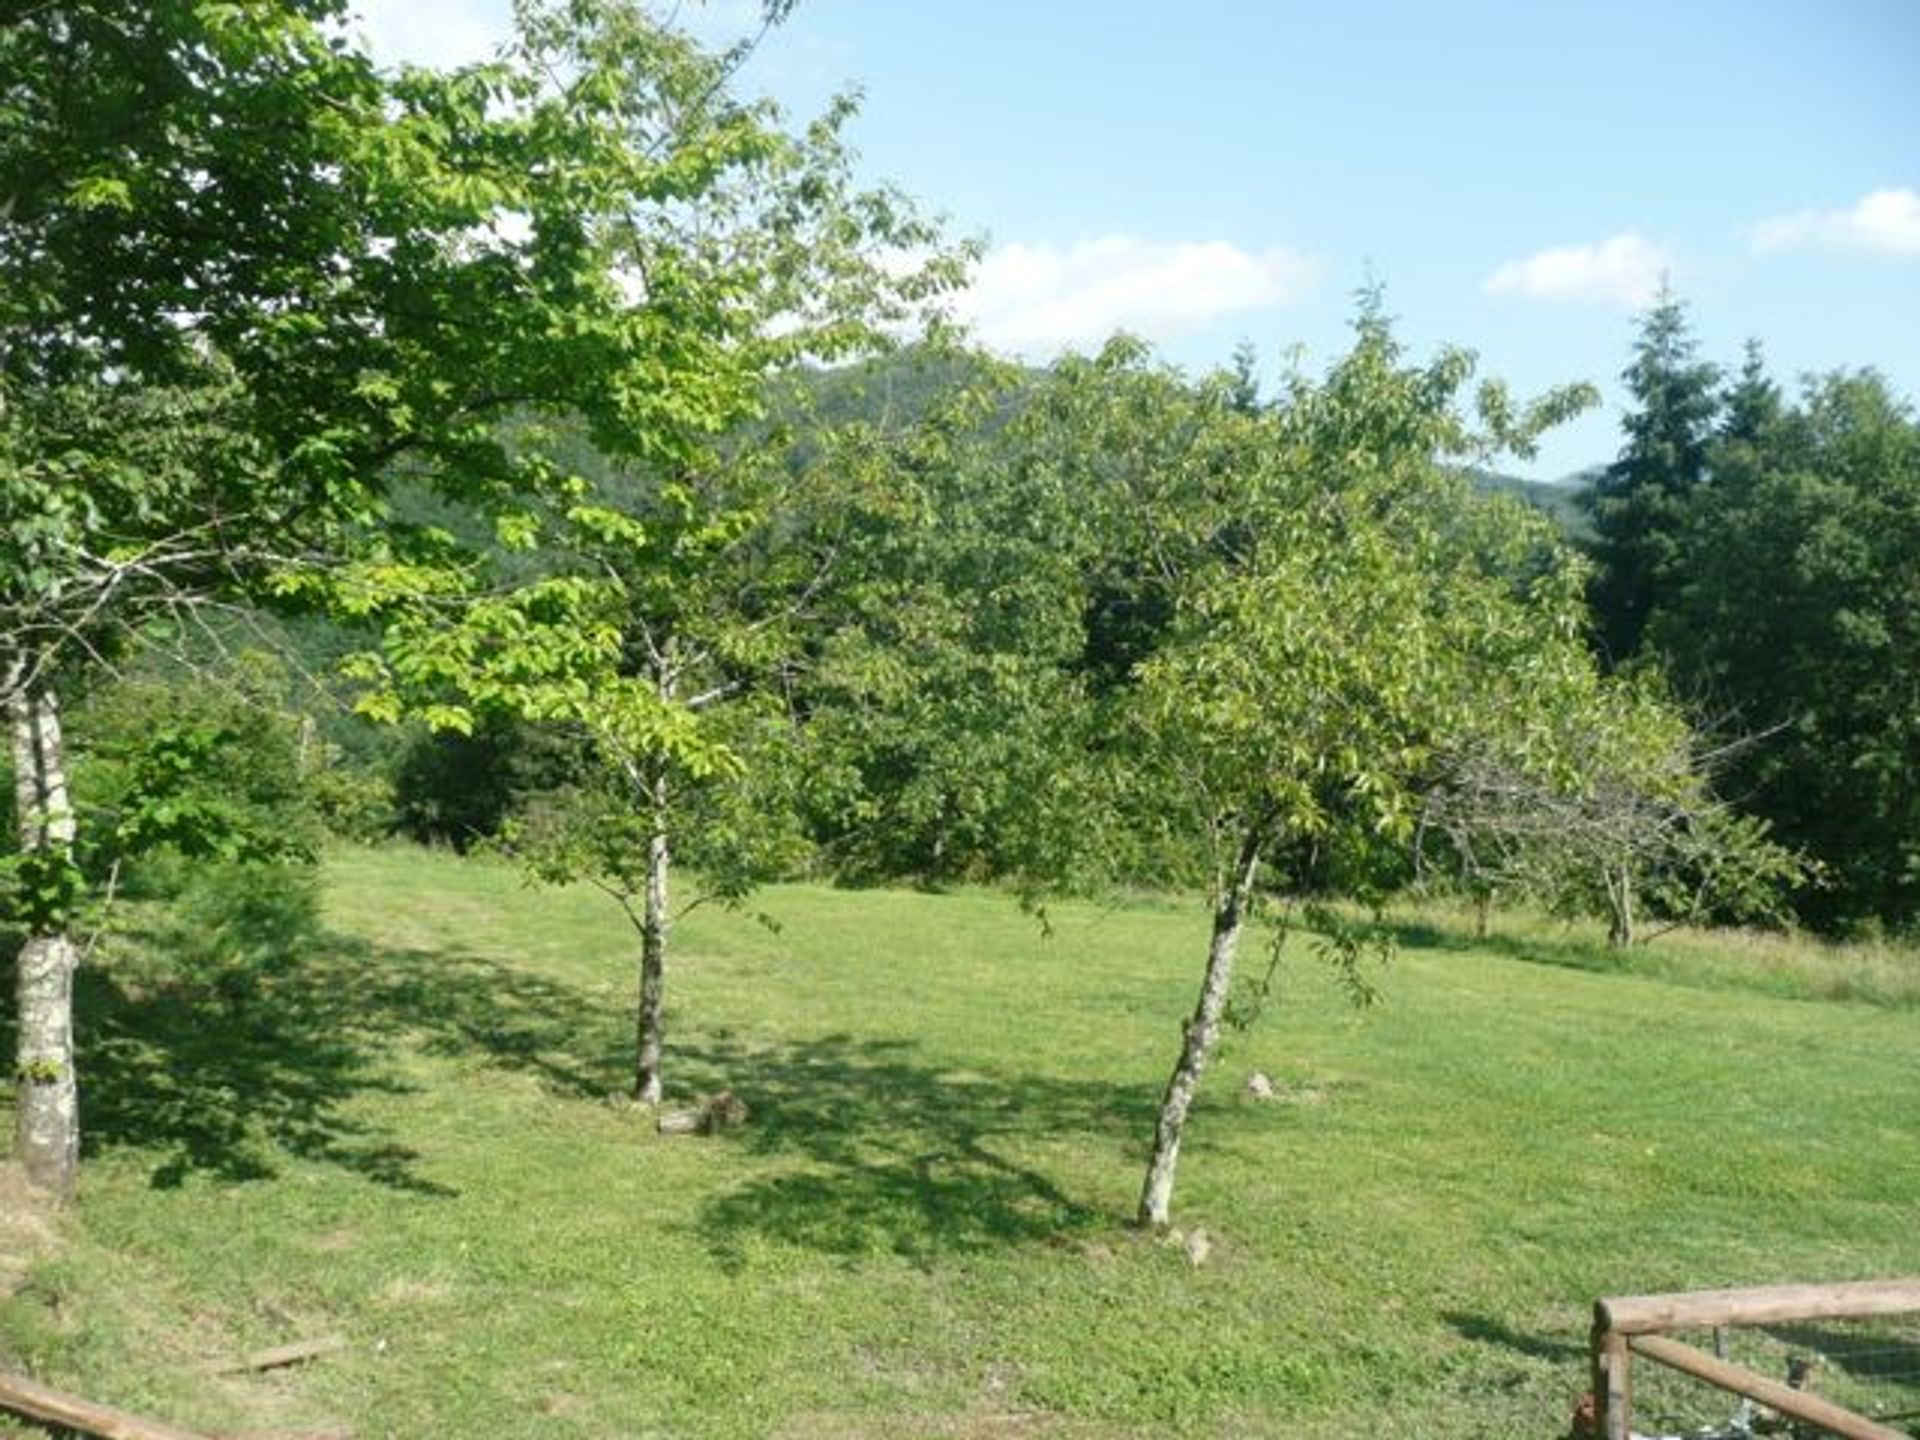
(1259, 1086)
(1199, 1247)
(1195, 1244)
(722, 1110)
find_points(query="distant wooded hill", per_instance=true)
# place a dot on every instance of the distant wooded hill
(1561, 500)
(900, 388)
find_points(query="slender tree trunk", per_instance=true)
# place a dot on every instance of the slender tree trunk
(1229, 919)
(653, 950)
(47, 1102)
(1620, 906)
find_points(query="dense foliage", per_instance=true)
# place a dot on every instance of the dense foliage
(1638, 501)
(1760, 549)
(249, 280)
(1797, 612)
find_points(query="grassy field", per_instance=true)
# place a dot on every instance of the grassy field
(406, 1136)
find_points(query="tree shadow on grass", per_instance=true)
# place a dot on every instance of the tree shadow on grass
(871, 1148)
(228, 1079)
(893, 1155)
(1485, 1330)
(225, 1090)
(1569, 953)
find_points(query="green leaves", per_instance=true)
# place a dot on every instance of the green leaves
(600, 526)
(1337, 613)
(1792, 605)
(100, 192)
(210, 772)
(225, 217)
(40, 890)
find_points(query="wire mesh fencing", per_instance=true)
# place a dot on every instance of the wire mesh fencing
(1870, 1367)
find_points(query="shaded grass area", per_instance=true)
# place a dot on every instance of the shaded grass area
(404, 1132)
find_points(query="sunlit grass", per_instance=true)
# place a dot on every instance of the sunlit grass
(1787, 964)
(406, 1136)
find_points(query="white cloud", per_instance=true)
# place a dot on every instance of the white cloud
(1043, 298)
(1886, 222)
(1623, 269)
(432, 32)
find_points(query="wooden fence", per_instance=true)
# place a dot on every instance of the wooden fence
(1632, 1325)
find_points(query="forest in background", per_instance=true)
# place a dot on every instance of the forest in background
(1747, 546)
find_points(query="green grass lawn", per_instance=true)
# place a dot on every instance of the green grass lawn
(406, 1136)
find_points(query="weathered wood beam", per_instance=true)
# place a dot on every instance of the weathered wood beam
(69, 1412)
(1613, 1385)
(1854, 1300)
(54, 1407)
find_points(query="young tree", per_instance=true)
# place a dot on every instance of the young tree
(1621, 822)
(677, 591)
(668, 633)
(1276, 615)
(1344, 629)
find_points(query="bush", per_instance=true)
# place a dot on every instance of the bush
(208, 770)
(459, 790)
(353, 804)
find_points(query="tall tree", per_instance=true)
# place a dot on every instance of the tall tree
(1750, 408)
(1798, 614)
(247, 278)
(1639, 502)
(1283, 610)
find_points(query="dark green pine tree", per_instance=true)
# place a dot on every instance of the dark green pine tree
(1711, 623)
(1752, 405)
(1640, 502)
(1796, 620)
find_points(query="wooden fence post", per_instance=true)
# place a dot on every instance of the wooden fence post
(1612, 1378)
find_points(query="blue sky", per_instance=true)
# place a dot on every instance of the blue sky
(1519, 176)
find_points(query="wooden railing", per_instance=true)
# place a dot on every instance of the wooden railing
(1630, 1325)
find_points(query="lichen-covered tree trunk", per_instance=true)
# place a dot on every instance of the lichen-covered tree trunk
(23, 748)
(1229, 919)
(47, 1100)
(47, 1104)
(653, 951)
